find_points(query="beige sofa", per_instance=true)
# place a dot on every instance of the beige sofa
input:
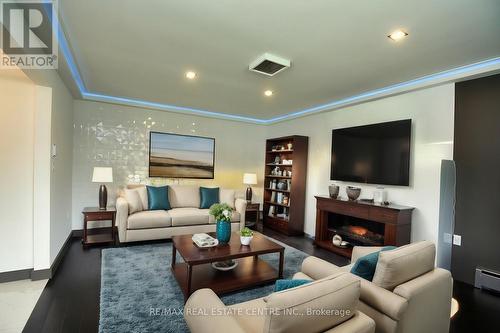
(136, 223)
(327, 305)
(407, 294)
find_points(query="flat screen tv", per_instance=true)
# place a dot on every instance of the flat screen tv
(181, 156)
(374, 154)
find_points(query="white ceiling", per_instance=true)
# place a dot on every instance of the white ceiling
(141, 49)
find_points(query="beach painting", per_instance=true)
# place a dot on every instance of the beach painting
(181, 156)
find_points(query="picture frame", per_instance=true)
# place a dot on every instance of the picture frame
(174, 155)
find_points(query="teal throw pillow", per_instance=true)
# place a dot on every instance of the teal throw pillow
(284, 284)
(366, 265)
(208, 197)
(158, 198)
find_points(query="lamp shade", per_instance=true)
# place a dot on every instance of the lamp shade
(249, 178)
(102, 175)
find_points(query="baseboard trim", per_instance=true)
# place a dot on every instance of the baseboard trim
(21, 274)
(77, 233)
(40, 274)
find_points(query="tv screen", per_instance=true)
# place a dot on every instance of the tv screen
(375, 154)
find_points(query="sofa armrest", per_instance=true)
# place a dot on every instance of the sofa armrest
(359, 323)
(121, 218)
(318, 268)
(383, 300)
(241, 207)
(361, 251)
(205, 312)
(429, 296)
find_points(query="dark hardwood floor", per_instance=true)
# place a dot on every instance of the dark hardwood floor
(70, 301)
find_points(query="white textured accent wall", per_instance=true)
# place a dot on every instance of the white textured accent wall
(117, 136)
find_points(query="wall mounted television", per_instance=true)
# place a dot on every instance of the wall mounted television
(181, 156)
(373, 154)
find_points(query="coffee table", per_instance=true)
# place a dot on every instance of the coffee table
(196, 271)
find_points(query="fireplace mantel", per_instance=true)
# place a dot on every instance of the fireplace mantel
(394, 220)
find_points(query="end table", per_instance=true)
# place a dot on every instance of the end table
(252, 208)
(96, 214)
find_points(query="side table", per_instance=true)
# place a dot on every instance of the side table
(252, 208)
(96, 214)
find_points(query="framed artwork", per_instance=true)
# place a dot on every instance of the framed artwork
(181, 156)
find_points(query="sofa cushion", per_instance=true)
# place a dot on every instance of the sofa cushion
(404, 264)
(188, 216)
(149, 219)
(313, 307)
(158, 198)
(227, 196)
(365, 266)
(143, 193)
(184, 196)
(208, 197)
(235, 217)
(284, 284)
(133, 200)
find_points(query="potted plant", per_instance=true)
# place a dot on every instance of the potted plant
(222, 213)
(246, 236)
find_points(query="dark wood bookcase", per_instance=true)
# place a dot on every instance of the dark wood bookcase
(284, 202)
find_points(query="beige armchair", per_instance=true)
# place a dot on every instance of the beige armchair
(326, 305)
(407, 294)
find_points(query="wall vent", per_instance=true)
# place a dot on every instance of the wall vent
(269, 64)
(486, 279)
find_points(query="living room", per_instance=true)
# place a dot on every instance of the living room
(236, 172)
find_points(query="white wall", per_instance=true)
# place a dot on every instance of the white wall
(431, 111)
(117, 136)
(17, 98)
(60, 125)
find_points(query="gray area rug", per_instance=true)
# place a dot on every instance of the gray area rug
(140, 294)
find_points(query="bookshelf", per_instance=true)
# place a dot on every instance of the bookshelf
(285, 184)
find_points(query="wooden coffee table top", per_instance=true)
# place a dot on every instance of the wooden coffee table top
(194, 255)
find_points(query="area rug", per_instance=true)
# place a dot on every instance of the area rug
(140, 294)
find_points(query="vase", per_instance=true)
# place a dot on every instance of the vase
(223, 232)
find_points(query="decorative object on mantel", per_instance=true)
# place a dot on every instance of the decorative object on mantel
(379, 195)
(334, 191)
(353, 192)
(222, 213)
(249, 179)
(246, 236)
(102, 175)
(289, 146)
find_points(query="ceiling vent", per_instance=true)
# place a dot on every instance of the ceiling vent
(269, 64)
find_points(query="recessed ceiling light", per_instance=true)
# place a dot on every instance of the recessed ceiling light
(190, 75)
(398, 35)
(268, 93)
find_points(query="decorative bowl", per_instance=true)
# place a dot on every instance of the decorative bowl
(353, 192)
(245, 240)
(225, 265)
(334, 191)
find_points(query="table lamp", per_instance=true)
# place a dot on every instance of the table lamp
(249, 179)
(102, 175)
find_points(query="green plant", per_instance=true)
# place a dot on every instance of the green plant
(246, 232)
(221, 212)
